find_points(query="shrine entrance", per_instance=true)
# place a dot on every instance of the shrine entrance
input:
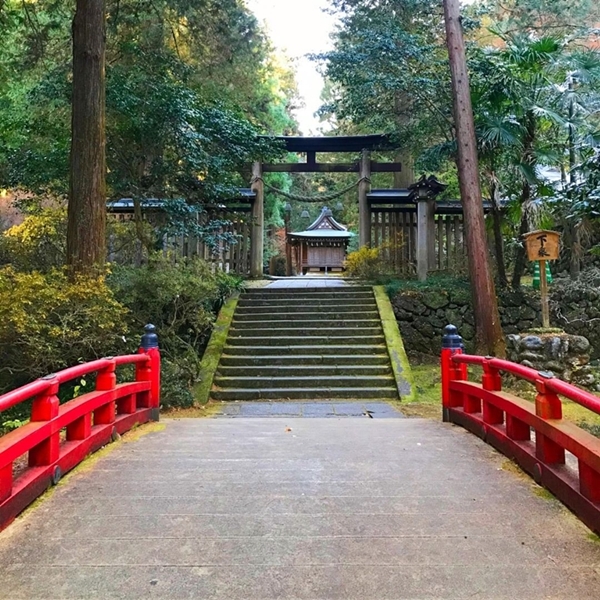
(311, 147)
(416, 234)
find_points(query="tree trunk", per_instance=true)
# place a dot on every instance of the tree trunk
(489, 338)
(86, 230)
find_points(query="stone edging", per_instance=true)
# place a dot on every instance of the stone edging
(212, 355)
(395, 346)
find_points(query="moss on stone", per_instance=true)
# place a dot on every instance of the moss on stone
(399, 359)
(212, 355)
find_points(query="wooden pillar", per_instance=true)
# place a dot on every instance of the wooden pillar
(364, 213)
(431, 256)
(423, 230)
(258, 222)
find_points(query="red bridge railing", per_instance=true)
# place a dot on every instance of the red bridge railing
(59, 437)
(533, 435)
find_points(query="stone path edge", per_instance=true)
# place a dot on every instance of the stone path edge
(212, 354)
(395, 346)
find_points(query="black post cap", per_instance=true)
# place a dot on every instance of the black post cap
(149, 339)
(451, 339)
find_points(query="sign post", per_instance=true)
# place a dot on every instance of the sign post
(542, 246)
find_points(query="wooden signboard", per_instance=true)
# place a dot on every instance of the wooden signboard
(541, 246)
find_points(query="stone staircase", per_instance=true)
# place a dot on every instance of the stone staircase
(305, 344)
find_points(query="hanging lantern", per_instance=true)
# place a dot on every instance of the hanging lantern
(305, 214)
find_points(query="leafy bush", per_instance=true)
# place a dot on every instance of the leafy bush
(48, 323)
(370, 264)
(39, 243)
(181, 299)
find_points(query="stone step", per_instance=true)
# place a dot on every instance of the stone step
(340, 309)
(315, 340)
(328, 381)
(309, 315)
(307, 349)
(281, 305)
(317, 297)
(309, 294)
(309, 290)
(311, 300)
(327, 360)
(299, 330)
(319, 393)
(297, 370)
(298, 324)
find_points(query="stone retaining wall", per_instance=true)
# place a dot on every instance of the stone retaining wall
(423, 313)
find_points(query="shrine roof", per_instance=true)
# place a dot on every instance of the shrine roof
(324, 227)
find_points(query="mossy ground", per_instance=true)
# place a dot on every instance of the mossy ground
(428, 388)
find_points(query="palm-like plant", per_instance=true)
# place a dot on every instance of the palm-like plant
(525, 117)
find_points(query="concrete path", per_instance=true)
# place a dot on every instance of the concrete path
(307, 282)
(348, 509)
(308, 409)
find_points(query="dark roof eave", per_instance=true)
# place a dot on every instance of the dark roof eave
(351, 143)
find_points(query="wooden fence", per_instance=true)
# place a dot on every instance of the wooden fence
(229, 258)
(395, 232)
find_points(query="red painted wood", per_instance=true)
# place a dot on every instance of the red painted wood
(507, 420)
(90, 421)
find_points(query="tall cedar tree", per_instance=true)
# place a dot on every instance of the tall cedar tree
(86, 246)
(489, 338)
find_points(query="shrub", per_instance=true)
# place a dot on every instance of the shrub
(48, 323)
(370, 264)
(39, 243)
(181, 299)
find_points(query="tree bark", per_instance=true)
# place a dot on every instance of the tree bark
(86, 230)
(489, 338)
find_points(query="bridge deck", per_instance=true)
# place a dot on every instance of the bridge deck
(335, 508)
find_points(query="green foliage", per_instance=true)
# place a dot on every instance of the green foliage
(48, 323)
(434, 282)
(182, 300)
(39, 243)
(388, 71)
(189, 87)
(370, 264)
(10, 425)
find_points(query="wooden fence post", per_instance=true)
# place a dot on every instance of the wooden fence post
(364, 212)
(257, 223)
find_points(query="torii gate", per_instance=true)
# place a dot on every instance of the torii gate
(422, 192)
(365, 144)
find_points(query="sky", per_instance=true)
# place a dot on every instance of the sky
(298, 28)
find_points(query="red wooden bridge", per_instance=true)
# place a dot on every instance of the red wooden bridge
(287, 507)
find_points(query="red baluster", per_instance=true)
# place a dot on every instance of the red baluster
(105, 382)
(549, 407)
(45, 408)
(492, 382)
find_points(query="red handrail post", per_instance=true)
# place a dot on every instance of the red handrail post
(549, 407)
(492, 382)
(150, 370)
(106, 380)
(45, 408)
(452, 344)
(589, 482)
